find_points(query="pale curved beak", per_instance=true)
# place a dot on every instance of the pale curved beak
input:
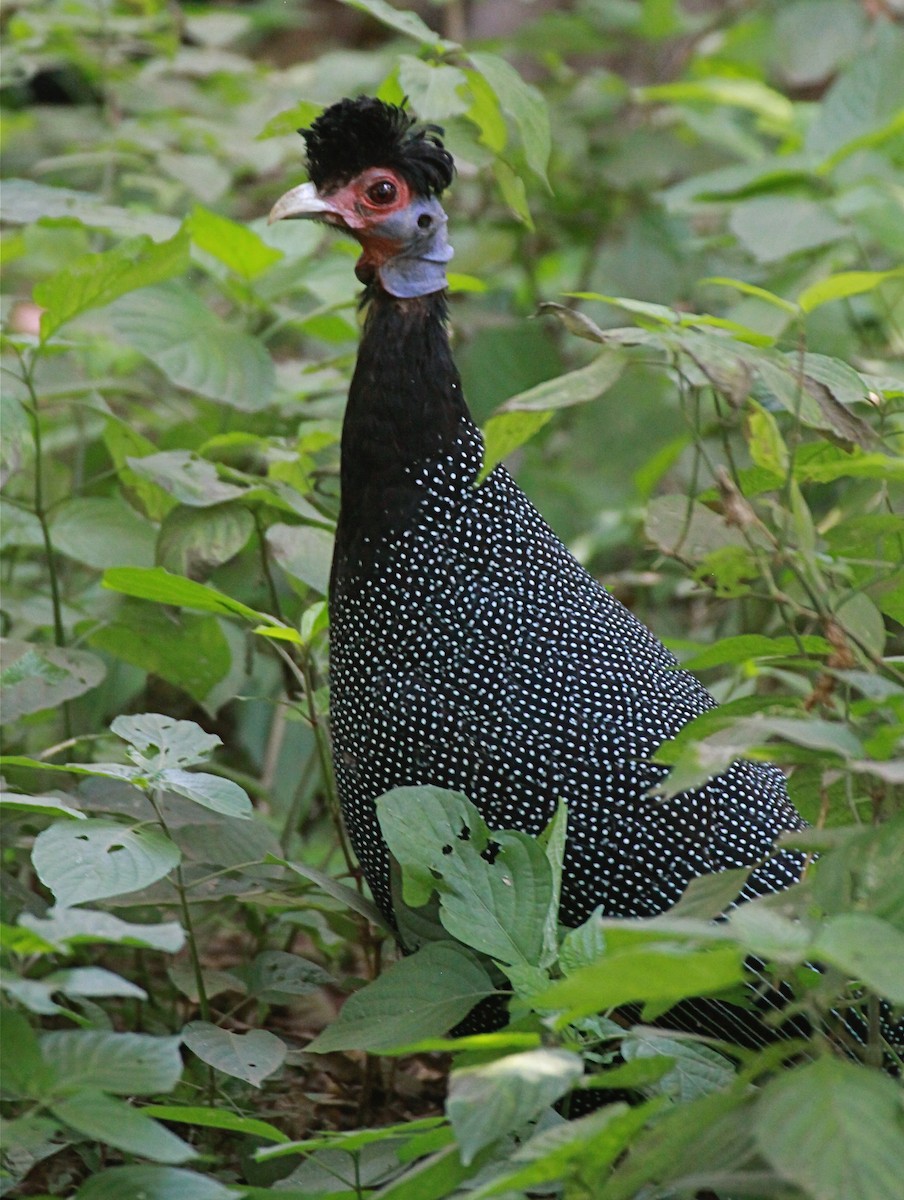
(302, 201)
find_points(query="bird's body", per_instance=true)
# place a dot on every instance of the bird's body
(469, 649)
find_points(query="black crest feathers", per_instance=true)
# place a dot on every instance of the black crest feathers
(353, 135)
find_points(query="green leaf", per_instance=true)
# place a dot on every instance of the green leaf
(486, 1102)
(662, 975)
(25, 201)
(767, 446)
(304, 552)
(190, 651)
(215, 1118)
(186, 476)
(161, 586)
(751, 289)
(154, 1183)
(115, 1123)
(87, 860)
(275, 974)
(695, 1070)
(834, 1129)
(688, 529)
(749, 647)
(92, 981)
(865, 948)
(744, 93)
(236, 246)
(128, 1064)
(497, 904)
(123, 443)
(421, 996)
(524, 104)
(846, 283)
(504, 433)
(291, 120)
(772, 228)
(48, 806)
(164, 741)
(407, 23)
(37, 676)
(66, 927)
(250, 1056)
(708, 896)
(346, 895)
(98, 279)
(210, 791)
(194, 348)
(103, 532)
(575, 387)
(435, 91)
(193, 541)
(350, 1140)
(26, 1074)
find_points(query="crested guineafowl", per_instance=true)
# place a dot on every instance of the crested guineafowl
(468, 648)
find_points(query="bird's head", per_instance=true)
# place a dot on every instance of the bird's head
(377, 175)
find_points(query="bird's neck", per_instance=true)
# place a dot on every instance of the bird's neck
(405, 410)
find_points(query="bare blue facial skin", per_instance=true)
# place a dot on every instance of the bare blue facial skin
(419, 269)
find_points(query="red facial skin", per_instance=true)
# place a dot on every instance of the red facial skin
(361, 206)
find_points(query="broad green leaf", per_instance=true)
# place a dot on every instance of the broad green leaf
(166, 588)
(215, 1118)
(581, 1149)
(646, 974)
(434, 91)
(193, 541)
(584, 944)
(250, 1056)
(772, 228)
(695, 1070)
(98, 279)
(524, 104)
(485, 113)
(185, 476)
(154, 1183)
(236, 246)
(103, 532)
(865, 102)
(26, 1074)
(834, 1129)
(36, 676)
(766, 444)
(275, 974)
(127, 1064)
(87, 860)
(210, 791)
(486, 1102)
(746, 647)
(92, 981)
(513, 191)
(687, 529)
(48, 806)
(421, 996)
(115, 1123)
(291, 120)
(123, 443)
(304, 552)
(865, 948)
(66, 927)
(861, 618)
(190, 651)
(194, 348)
(25, 201)
(708, 896)
(846, 283)
(575, 387)
(402, 21)
(160, 741)
(504, 433)
(349, 1140)
(497, 903)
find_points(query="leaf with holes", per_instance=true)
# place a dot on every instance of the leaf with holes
(87, 860)
(250, 1056)
(495, 889)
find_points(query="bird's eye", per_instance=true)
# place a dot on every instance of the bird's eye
(384, 191)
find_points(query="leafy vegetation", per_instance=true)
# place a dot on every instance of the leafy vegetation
(701, 206)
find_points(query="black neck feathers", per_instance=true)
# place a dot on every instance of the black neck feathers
(405, 410)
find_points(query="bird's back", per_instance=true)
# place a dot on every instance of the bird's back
(475, 653)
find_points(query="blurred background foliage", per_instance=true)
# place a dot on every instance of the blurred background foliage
(174, 371)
